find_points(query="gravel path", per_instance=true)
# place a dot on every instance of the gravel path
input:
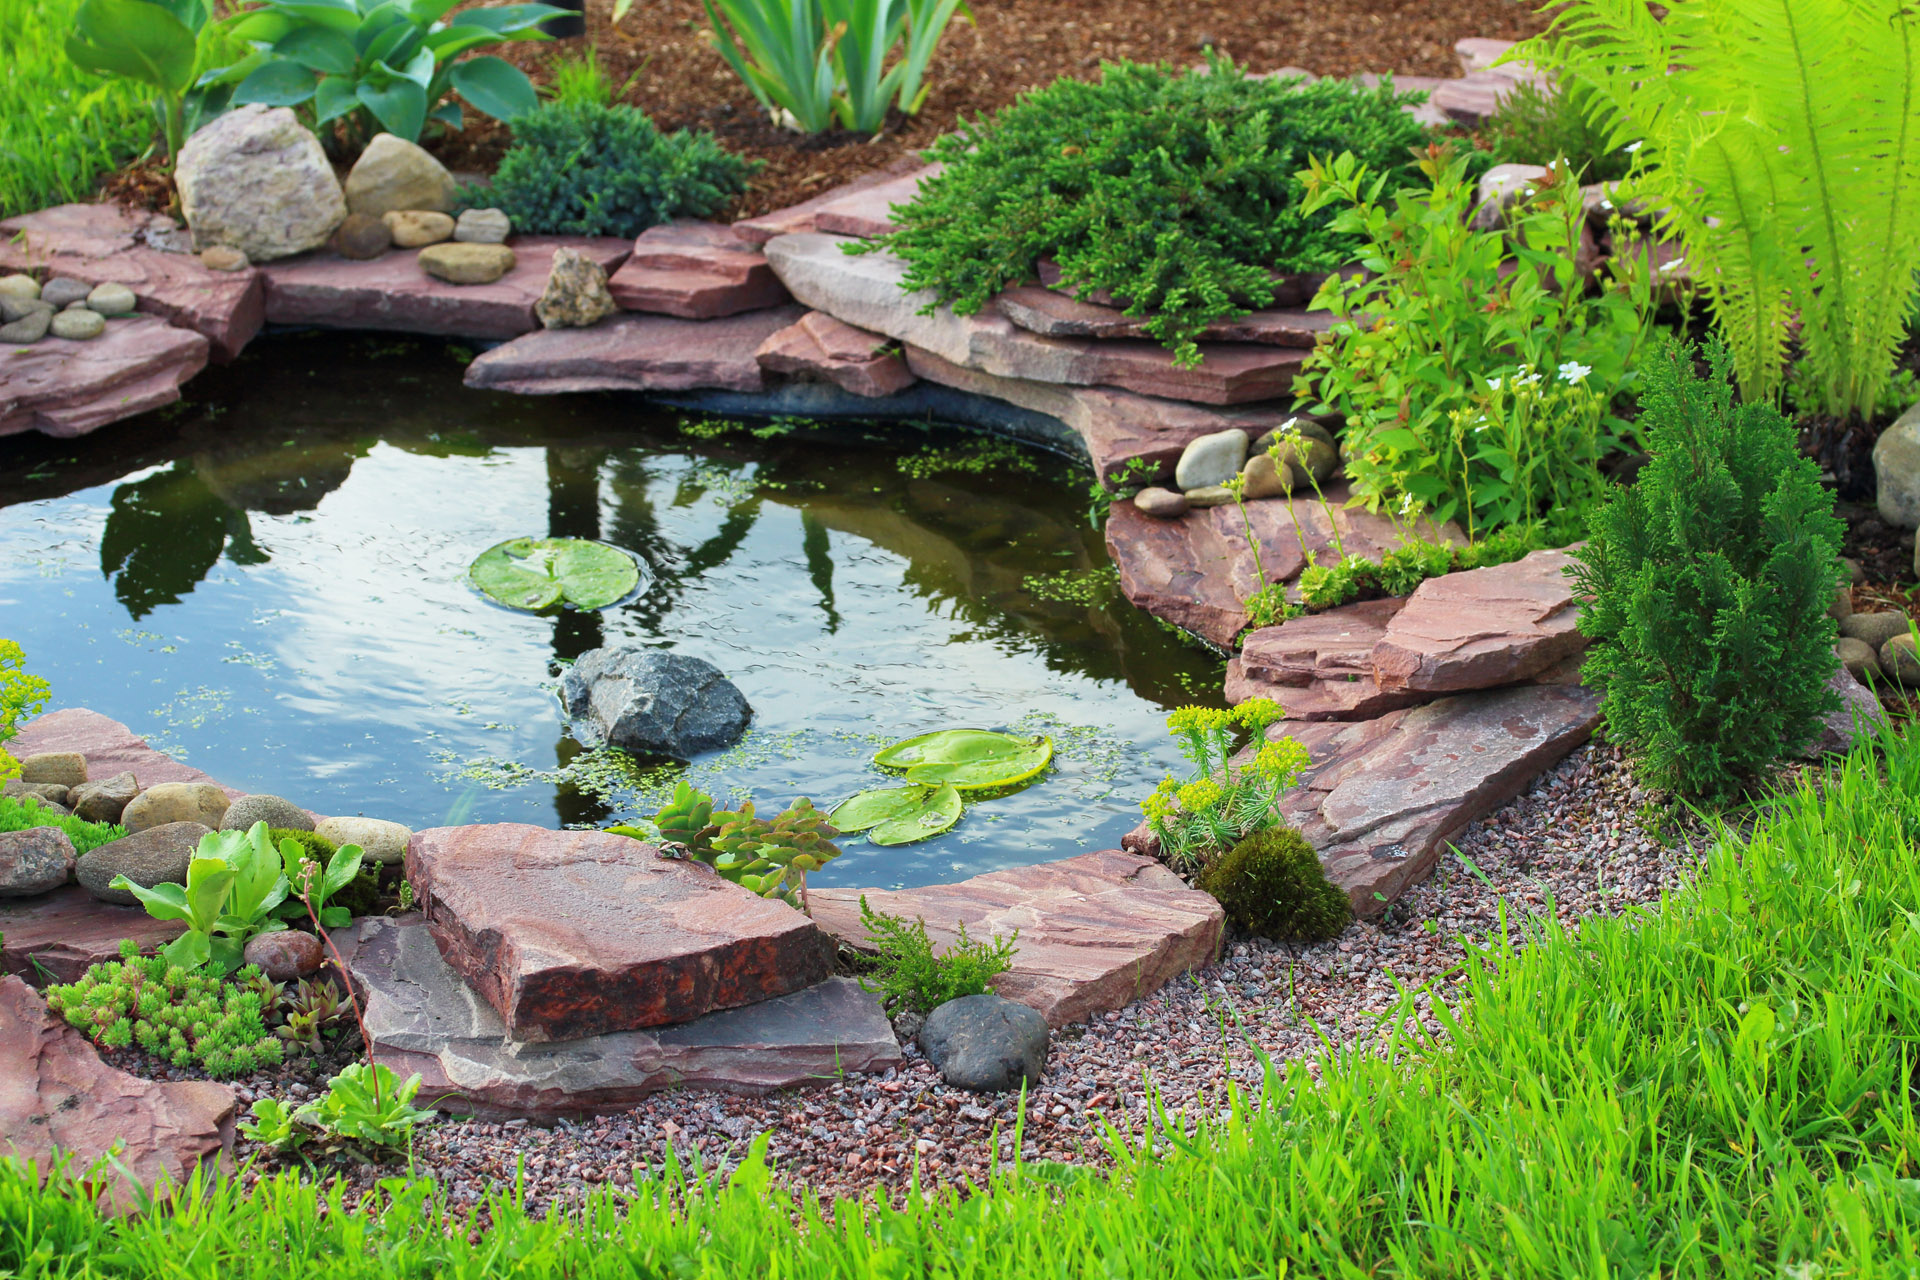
(1574, 836)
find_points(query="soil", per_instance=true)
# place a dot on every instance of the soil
(662, 51)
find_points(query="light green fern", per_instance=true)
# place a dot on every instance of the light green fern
(1780, 139)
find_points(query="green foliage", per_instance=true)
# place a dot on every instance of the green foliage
(1710, 581)
(581, 168)
(1714, 1085)
(1399, 571)
(579, 78)
(1221, 803)
(154, 43)
(313, 1010)
(1539, 125)
(384, 62)
(1272, 884)
(22, 695)
(17, 814)
(1779, 143)
(898, 815)
(186, 1018)
(812, 63)
(365, 1105)
(313, 883)
(969, 759)
(975, 458)
(62, 128)
(1474, 372)
(1122, 483)
(909, 977)
(1174, 190)
(769, 856)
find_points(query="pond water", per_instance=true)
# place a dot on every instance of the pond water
(268, 581)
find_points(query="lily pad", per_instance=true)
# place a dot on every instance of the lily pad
(539, 574)
(937, 812)
(1017, 761)
(869, 809)
(945, 745)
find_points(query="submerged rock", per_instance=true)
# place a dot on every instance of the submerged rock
(653, 703)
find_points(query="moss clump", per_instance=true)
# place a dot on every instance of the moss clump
(360, 896)
(1271, 884)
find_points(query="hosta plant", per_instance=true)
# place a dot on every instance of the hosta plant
(1222, 802)
(156, 43)
(233, 884)
(394, 62)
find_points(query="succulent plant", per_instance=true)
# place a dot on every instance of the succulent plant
(770, 856)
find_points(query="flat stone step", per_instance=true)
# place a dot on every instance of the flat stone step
(1381, 797)
(868, 211)
(56, 936)
(576, 933)
(65, 387)
(1097, 932)
(818, 347)
(801, 217)
(865, 291)
(697, 271)
(103, 243)
(635, 352)
(392, 292)
(109, 746)
(61, 1099)
(422, 1017)
(1053, 314)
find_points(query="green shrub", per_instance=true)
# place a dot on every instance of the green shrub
(1710, 581)
(1175, 190)
(22, 694)
(1778, 141)
(909, 976)
(1271, 884)
(1474, 372)
(186, 1018)
(1536, 125)
(586, 169)
(19, 813)
(1401, 570)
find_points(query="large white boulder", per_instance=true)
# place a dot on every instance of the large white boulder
(256, 180)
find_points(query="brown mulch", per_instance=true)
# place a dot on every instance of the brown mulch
(1015, 45)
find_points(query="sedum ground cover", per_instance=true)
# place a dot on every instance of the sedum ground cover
(1717, 1086)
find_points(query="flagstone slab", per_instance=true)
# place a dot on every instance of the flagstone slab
(1096, 932)
(577, 933)
(819, 347)
(865, 290)
(635, 352)
(423, 1017)
(1054, 314)
(69, 387)
(57, 936)
(868, 211)
(1482, 628)
(697, 271)
(104, 243)
(393, 292)
(109, 746)
(801, 217)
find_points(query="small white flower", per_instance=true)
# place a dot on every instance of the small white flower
(1632, 147)
(1573, 371)
(1675, 265)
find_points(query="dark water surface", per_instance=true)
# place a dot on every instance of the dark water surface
(269, 582)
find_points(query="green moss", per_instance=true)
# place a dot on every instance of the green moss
(1271, 884)
(20, 814)
(361, 896)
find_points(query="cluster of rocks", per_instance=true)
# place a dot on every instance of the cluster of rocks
(62, 306)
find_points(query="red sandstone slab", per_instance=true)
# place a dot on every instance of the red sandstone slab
(1291, 289)
(1096, 932)
(695, 270)
(63, 387)
(1053, 314)
(800, 217)
(102, 244)
(577, 933)
(819, 348)
(109, 746)
(58, 1098)
(868, 212)
(1482, 628)
(57, 936)
(635, 353)
(1197, 571)
(1382, 796)
(392, 292)
(1319, 667)
(1472, 99)
(1349, 698)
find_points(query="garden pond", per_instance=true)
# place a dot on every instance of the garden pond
(269, 582)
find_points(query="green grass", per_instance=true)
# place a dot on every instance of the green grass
(18, 815)
(61, 129)
(1721, 1086)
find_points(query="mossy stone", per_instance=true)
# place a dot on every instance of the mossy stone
(1271, 884)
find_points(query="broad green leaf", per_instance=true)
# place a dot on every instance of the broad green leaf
(376, 25)
(428, 12)
(537, 574)
(262, 25)
(208, 882)
(502, 90)
(940, 745)
(163, 901)
(459, 38)
(280, 83)
(190, 950)
(335, 917)
(512, 19)
(419, 68)
(881, 804)
(134, 39)
(386, 45)
(981, 771)
(338, 15)
(940, 811)
(236, 72)
(448, 114)
(319, 49)
(343, 867)
(400, 105)
(333, 97)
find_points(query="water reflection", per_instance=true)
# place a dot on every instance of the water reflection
(165, 533)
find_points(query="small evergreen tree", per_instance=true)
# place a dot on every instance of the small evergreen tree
(1709, 584)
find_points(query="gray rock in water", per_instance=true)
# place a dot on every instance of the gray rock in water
(105, 801)
(158, 855)
(653, 703)
(283, 815)
(986, 1043)
(37, 860)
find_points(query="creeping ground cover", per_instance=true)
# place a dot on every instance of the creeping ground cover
(1718, 1086)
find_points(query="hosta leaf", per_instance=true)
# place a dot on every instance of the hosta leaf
(937, 814)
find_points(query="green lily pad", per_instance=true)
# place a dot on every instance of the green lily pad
(936, 813)
(869, 809)
(944, 745)
(1018, 760)
(538, 574)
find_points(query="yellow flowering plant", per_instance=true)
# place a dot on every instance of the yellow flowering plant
(22, 694)
(1224, 801)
